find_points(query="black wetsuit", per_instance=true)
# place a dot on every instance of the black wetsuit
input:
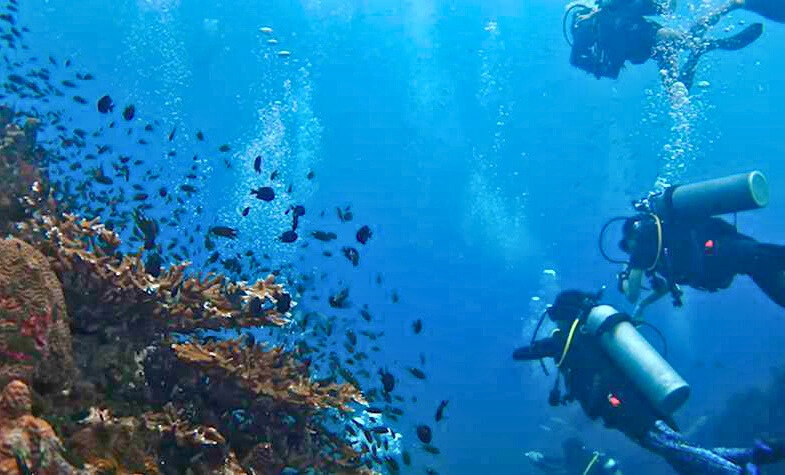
(707, 254)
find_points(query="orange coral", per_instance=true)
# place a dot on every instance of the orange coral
(25, 439)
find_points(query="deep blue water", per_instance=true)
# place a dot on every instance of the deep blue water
(459, 132)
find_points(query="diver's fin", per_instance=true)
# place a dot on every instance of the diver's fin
(740, 40)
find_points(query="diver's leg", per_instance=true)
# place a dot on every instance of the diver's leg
(684, 457)
(732, 43)
(773, 10)
(740, 457)
(765, 264)
(702, 25)
(772, 283)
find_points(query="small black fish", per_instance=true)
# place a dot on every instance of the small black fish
(440, 410)
(417, 326)
(162, 192)
(257, 164)
(310, 175)
(224, 148)
(351, 254)
(288, 236)
(129, 112)
(152, 265)
(424, 433)
(365, 314)
(264, 193)
(171, 134)
(417, 373)
(188, 188)
(80, 100)
(407, 459)
(246, 211)
(363, 234)
(324, 236)
(105, 105)
(223, 231)
(388, 380)
(199, 135)
(431, 450)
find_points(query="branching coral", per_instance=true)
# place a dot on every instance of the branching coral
(84, 254)
(283, 416)
(274, 374)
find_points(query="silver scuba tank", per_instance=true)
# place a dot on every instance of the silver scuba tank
(729, 194)
(638, 360)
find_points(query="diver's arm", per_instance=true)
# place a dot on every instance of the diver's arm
(659, 290)
(545, 348)
(630, 284)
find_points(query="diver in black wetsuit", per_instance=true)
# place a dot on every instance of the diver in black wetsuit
(613, 32)
(615, 376)
(577, 460)
(703, 252)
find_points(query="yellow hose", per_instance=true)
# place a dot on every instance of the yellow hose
(569, 342)
(658, 222)
(592, 462)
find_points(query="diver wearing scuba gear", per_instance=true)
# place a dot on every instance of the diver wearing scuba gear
(577, 460)
(705, 253)
(588, 348)
(613, 32)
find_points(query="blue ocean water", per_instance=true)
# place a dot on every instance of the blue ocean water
(483, 162)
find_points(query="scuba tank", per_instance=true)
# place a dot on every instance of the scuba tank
(730, 194)
(654, 377)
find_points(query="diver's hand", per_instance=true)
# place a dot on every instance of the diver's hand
(621, 280)
(534, 456)
(587, 16)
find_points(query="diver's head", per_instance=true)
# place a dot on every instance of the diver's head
(571, 304)
(632, 232)
(587, 54)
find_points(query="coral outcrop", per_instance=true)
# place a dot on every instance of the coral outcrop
(27, 444)
(35, 340)
(128, 389)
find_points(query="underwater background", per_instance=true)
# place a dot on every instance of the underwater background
(482, 162)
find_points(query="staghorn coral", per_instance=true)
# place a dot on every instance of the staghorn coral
(26, 442)
(273, 374)
(35, 341)
(85, 256)
(282, 419)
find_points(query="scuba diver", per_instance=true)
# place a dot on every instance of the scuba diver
(616, 375)
(604, 37)
(577, 460)
(675, 239)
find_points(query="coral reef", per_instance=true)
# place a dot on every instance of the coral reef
(126, 390)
